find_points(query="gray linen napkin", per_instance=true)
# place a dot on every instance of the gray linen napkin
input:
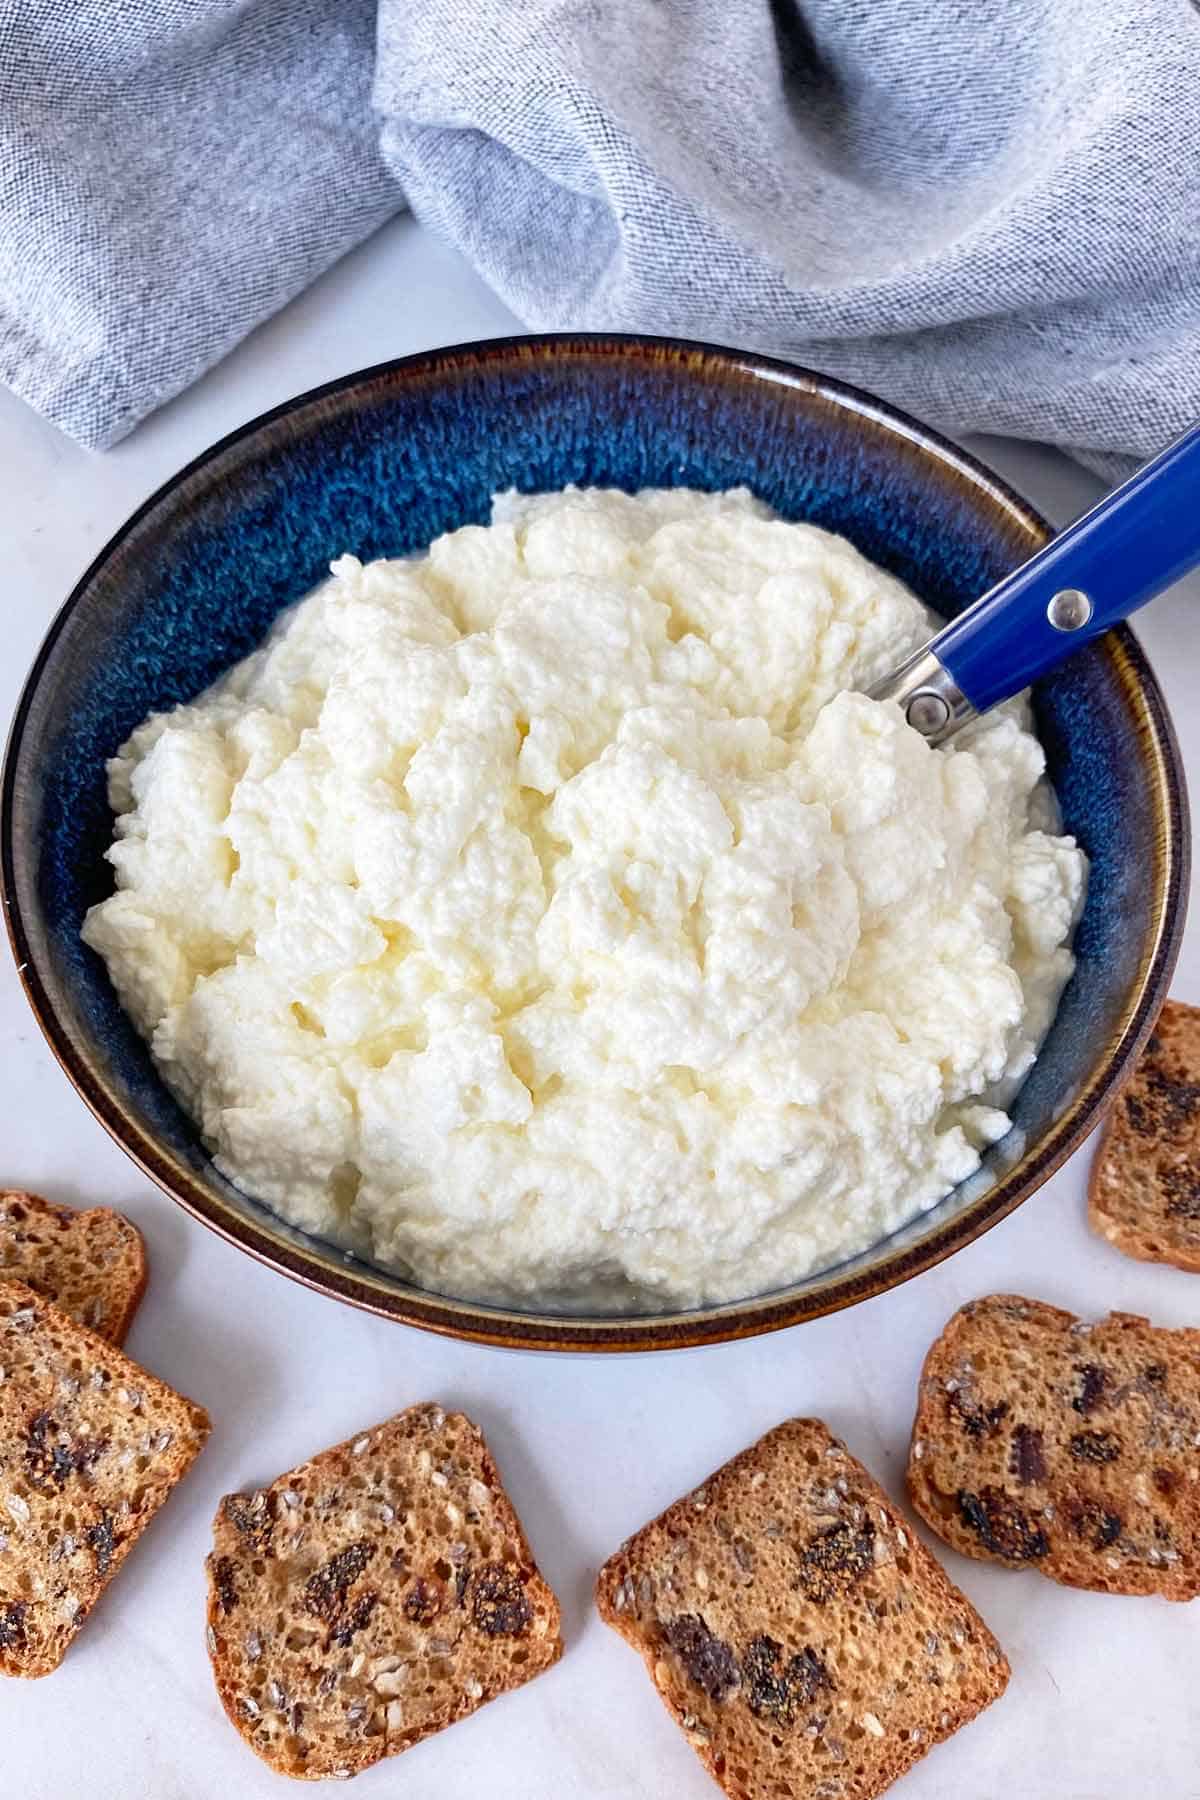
(987, 210)
(171, 172)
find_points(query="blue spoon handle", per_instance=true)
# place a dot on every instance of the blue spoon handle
(1128, 548)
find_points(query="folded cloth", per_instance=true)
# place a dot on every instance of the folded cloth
(989, 214)
(171, 172)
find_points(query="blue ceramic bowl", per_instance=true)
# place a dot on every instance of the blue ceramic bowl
(381, 463)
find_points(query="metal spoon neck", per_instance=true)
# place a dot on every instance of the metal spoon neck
(930, 698)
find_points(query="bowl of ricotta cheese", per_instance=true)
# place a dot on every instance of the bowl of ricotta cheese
(450, 845)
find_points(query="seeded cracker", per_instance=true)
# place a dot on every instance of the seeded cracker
(91, 1264)
(90, 1447)
(1043, 1442)
(802, 1637)
(373, 1595)
(1144, 1191)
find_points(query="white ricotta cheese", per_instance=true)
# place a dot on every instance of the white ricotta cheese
(543, 918)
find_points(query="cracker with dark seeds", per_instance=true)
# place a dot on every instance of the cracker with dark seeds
(91, 1264)
(1043, 1442)
(798, 1631)
(1144, 1190)
(372, 1596)
(90, 1448)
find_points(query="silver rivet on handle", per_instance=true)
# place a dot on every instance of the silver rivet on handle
(927, 712)
(927, 693)
(1069, 609)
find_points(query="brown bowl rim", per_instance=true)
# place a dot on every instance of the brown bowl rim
(324, 1268)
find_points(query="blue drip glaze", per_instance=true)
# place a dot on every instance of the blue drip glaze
(381, 469)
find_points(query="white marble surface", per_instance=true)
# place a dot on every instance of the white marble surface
(1103, 1698)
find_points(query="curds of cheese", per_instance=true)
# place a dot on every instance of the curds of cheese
(542, 918)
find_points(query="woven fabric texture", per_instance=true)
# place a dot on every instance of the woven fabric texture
(988, 214)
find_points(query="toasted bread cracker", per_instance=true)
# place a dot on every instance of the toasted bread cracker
(796, 1628)
(372, 1596)
(1043, 1442)
(91, 1264)
(1144, 1189)
(90, 1448)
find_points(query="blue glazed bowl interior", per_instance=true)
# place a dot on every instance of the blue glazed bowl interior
(381, 465)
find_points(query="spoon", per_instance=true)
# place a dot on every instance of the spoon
(1131, 545)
